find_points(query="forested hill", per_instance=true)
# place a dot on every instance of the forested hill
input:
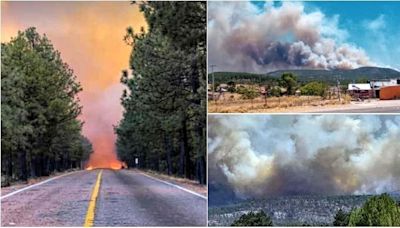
(310, 210)
(164, 122)
(307, 75)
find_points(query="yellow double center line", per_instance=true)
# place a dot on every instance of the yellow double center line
(89, 220)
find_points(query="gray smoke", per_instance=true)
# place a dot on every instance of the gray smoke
(260, 156)
(241, 38)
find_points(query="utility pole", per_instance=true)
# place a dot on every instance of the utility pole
(213, 80)
(338, 86)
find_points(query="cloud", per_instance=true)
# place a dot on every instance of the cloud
(376, 24)
(261, 156)
(241, 38)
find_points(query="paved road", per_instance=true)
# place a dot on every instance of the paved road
(366, 110)
(126, 198)
(372, 106)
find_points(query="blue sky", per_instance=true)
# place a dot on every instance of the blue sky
(373, 26)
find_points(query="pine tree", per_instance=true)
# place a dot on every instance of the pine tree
(164, 120)
(40, 129)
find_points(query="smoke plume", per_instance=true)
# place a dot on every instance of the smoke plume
(243, 38)
(261, 156)
(89, 36)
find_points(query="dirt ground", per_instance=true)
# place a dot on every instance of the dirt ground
(232, 103)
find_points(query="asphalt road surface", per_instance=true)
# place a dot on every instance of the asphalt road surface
(125, 198)
(366, 110)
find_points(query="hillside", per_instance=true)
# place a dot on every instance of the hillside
(307, 75)
(290, 210)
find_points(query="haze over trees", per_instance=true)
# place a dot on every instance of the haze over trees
(163, 124)
(40, 132)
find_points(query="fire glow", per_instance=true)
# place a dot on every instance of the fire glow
(89, 36)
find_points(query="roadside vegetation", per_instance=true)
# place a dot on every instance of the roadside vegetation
(164, 120)
(40, 132)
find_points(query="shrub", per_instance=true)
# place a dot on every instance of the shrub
(314, 89)
(253, 219)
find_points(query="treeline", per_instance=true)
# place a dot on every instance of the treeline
(164, 122)
(40, 132)
(239, 78)
(287, 84)
(377, 211)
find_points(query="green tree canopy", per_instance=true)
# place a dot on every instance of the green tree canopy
(314, 89)
(341, 218)
(377, 211)
(289, 81)
(40, 129)
(164, 120)
(253, 219)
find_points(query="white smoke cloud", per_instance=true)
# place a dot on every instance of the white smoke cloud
(259, 156)
(241, 38)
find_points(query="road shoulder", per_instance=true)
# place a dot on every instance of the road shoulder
(191, 185)
(15, 186)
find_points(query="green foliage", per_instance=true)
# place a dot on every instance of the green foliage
(314, 89)
(241, 78)
(164, 120)
(40, 129)
(362, 80)
(248, 93)
(377, 211)
(289, 81)
(275, 91)
(231, 87)
(341, 218)
(253, 219)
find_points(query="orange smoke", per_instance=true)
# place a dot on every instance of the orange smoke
(89, 36)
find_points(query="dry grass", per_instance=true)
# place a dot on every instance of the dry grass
(233, 103)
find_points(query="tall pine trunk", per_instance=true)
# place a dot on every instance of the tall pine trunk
(169, 151)
(23, 175)
(184, 158)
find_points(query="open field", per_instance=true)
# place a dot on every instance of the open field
(233, 103)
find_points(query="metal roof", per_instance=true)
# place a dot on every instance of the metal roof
(359, 86)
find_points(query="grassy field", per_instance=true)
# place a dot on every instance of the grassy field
(233, 103)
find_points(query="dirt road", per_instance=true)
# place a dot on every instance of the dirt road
(125, 198)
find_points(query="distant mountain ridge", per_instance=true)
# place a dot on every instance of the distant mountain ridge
(307, 75)
(368, 73)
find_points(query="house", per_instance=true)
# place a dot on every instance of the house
(222, 88)
(360, 90)
(376, 85)
(390, 92)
